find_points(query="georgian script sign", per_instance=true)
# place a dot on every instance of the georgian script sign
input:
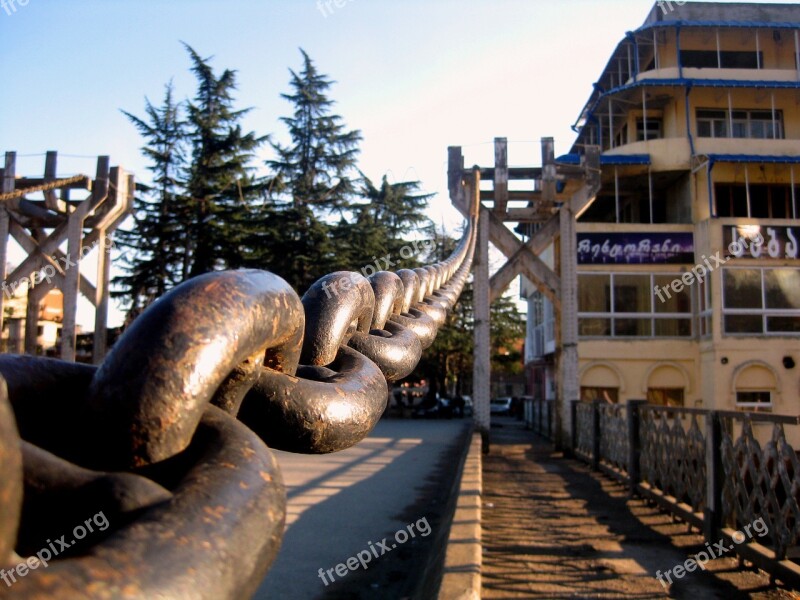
(765, 242)
(620, 248)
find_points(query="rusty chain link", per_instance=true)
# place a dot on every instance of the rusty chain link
(168, 436)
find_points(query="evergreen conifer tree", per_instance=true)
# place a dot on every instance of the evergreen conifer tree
(220, 182)
(154, 250)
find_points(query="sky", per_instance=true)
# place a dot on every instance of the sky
(414, 76)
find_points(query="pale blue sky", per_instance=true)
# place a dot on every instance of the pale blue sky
(413, 75)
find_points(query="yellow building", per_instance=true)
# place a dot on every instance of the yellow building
(688, 270)
(48, 329)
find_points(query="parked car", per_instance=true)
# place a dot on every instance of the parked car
(467, 405)
(500, 406)
(441, 410)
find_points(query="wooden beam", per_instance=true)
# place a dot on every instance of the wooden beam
(74, 239)
(481, 372)
(532, 267)
(6, 187)
(50, 196)
(455, 179)
(515, 195)
(548, 170)
(539, 214)
(500, 175)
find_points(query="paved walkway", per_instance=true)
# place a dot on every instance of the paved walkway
(338, 503)
(554, 529)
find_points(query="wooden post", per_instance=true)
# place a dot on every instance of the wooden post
(72, 268)
(567, 356)
(712, 519)
(6, 186)
(500, 175)
(634, 444)
(596, 433)
(481, 373)
(572, 443)
(119, 185)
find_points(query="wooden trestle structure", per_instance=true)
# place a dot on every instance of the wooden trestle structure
(56, 232)
(557, 194)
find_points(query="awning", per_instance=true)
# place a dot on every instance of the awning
(608, 159)
(753, 158)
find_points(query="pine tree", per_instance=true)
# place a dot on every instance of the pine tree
(220, 181)
(311, 176)
(154, 249)
(381, 225)
(316, 168)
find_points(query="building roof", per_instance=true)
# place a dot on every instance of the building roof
(695, 14)
(722, 12)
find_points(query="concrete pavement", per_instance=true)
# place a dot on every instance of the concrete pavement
(552, 528)
(345, 503)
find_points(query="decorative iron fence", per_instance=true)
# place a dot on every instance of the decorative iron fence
(706, 467)
(540, 416)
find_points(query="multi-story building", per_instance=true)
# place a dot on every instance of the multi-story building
(48, 329)
(688, 268)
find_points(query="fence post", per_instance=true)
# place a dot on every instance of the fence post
(712, 519)
(634, 443)
(596, 435)
(548, 404)
(569, 449)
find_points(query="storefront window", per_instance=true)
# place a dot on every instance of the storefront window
(761, 301)
(623, 305)
(603, 394)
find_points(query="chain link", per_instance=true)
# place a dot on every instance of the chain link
(170, 430)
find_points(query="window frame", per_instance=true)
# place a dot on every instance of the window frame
(728, 120)
(653, 316)
(764, 313)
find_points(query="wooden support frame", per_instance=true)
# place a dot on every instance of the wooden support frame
(558, 284)
(81, 225)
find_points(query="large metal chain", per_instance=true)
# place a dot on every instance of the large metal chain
(168, 436)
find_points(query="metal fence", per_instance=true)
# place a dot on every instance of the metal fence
(706, 467)
(540, 416)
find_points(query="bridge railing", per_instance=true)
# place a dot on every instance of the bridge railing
(170, 439)
(733, 475)
(540, 416)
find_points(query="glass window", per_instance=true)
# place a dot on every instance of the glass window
(744, 324)
(754, 400)
(746, 313)
(783, 324)
(632, 327)
(653, 129)
(604, 394)
(673, 328)
(626, 305)
(741, 288)
(782, 288)
(632, 293)
(594, 293)
(668, 301)
(665, 396)
(754, 124)
(594, 327)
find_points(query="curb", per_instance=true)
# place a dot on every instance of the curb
(461, 579)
